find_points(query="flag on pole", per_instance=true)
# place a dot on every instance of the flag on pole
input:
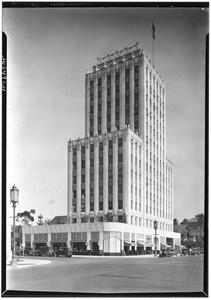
(153, 30)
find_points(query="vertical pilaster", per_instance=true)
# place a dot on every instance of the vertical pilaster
(126, 171)
(49, 239)
(87, 105)
(122, 97)
(32, 239)
(96, 176)
(113, 99)
(132, 96)
(105, 174)
(95, 104)
(87, 178)
(164, 144)
(104, 103)
(172, 195)
(142, 97)
(69, 183)
(68, 237)
(88, 241)
(128, 177)
(122, 241)
(115, 172)
(101, 239)
(78, 177)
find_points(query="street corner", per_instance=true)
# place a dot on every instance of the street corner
(25, 263)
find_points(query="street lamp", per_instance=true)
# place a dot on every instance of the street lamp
(14, 199)
(155, 227)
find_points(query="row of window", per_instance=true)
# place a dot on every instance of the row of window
(138, 221)
(153, 80)
(117, 101)
(120, 173)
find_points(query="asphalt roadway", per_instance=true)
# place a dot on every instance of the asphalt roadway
(111, 275)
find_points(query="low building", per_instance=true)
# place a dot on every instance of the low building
(109, 238)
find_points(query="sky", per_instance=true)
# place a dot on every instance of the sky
(49, 50)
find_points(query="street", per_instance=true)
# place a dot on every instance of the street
(111, 275)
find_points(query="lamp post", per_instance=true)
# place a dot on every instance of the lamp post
(14, 199)
(155, 227)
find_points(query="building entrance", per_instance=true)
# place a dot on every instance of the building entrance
(56, 246)
(140, 250)
(37, 246)
(79, 247)
(94, 248)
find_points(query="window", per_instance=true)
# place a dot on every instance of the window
(131, 220)
(139, 221)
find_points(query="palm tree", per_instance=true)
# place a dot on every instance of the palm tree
(40, 219)
(47, 221)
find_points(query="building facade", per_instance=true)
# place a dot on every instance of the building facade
(118, 174)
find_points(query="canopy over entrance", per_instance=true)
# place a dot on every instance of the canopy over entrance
(143, 244)
(127, 243)
(180, 246)
(166, 245)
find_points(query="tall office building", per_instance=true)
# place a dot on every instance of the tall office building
(119, 180)
(124, 93)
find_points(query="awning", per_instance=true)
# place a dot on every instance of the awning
(127, 243)
(143, 244)
(181, 246)
(166, 246)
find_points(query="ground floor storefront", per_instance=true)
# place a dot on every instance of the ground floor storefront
(108, 238)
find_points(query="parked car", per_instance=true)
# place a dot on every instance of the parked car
(194, 251)
(25, 252)
(63, 251)
(185, 252)
(44, 251)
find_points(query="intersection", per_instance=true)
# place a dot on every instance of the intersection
(111, 275)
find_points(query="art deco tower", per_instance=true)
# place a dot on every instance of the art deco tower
(120, 166)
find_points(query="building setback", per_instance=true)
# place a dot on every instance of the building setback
(119, 172)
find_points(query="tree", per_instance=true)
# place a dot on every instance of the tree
(26, 217)
(200, 218)
(47, 221)
(176, 222)
(184, 222)
(40, 219)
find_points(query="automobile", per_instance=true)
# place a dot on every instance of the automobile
(194, 252)
(63, 251)
(25, 252)
(44, 251)
(185, 252)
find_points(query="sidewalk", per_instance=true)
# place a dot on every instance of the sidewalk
(115, 256)
(27, 262)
